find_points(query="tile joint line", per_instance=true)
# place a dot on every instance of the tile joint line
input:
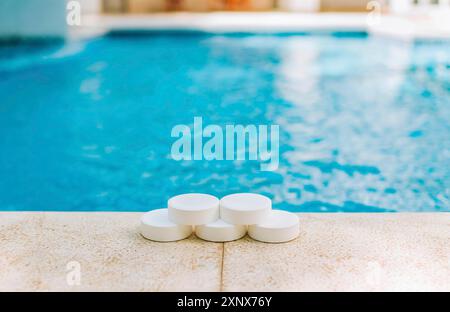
(221, 267)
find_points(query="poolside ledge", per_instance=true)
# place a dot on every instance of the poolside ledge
(395, 26)
(335, 252)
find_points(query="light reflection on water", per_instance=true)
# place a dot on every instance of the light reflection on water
(365, 122)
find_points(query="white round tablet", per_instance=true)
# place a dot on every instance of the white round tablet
(193, 209)
(220, 231)
(155, 225)
(280, 226)
(244, 208)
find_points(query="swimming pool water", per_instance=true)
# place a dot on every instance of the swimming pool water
(364, 121)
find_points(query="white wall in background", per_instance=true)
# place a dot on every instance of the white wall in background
(33, 18)
(299, 5)
(400, 6)
(90, 6)
(422, 6)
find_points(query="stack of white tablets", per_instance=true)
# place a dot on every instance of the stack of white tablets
(220, 220)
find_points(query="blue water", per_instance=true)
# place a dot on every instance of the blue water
(364, 122)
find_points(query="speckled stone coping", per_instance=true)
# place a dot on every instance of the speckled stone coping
(335, 252)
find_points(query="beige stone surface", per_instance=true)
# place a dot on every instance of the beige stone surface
(38, 250)
(347, 252)
(334, 252)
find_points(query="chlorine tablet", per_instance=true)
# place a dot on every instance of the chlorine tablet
(220, 231)
(193, 209)
(280, 226)
(244, 208)
(155, 225)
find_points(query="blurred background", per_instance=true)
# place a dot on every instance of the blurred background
(48, 17)
(144, 6)
(90, 90)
